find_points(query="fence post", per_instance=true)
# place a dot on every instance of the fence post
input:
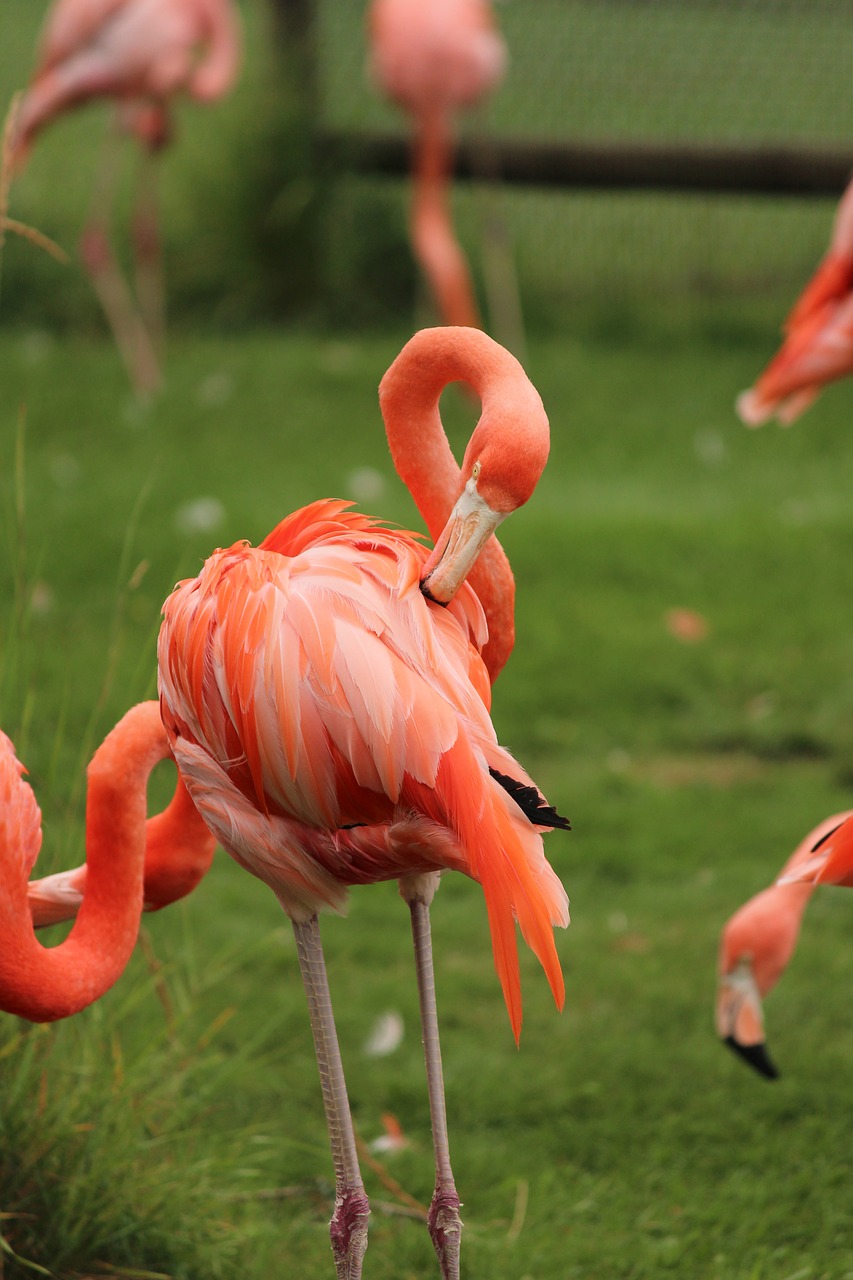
(295, 29)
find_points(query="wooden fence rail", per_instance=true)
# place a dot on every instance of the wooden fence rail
(748, 171)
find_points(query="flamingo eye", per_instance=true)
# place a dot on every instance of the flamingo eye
(475, 471)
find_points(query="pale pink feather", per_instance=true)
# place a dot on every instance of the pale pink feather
(328, 728)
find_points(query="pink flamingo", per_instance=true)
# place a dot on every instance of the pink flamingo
(43, 984)
(432, 57)
(142, 54)
(327, 705)
(818, 344)
(757, 944)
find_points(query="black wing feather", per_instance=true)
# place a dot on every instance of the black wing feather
(533, 805)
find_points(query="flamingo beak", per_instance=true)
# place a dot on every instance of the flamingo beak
(740, 1019)
(469, 527)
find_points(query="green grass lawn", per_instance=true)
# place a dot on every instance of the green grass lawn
(175, 1129)
(621, 1140)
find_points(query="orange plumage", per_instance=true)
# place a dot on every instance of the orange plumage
(309, 682)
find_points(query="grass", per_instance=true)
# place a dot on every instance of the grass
(621, 1141)
(175, 1129)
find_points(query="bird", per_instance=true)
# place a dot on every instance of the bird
(756, 947)
(818, 335)
(44, 984)
(179, 850)
(141, 54)
(327, 705)
(432, 57)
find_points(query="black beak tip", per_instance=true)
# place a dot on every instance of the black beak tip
(756, 1055)
(426, 592)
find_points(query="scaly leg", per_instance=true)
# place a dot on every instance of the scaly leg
(348, 1228)
(445, 1224)
(148, 256)
(116, 300)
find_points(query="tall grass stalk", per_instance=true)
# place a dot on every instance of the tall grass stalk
(107, 1165)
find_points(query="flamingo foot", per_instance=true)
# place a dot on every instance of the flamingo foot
(445, 1229)
(348, 1233)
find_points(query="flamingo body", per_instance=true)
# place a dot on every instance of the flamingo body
(140, 53)
(332, 727)
(818, 342)
(435, 54)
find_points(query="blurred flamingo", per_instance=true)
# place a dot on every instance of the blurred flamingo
(142, 54)
(756, 947)
(43, 984)
(432, 57)
(818, 344)
(327, 705)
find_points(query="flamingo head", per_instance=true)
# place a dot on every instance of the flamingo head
(755, 948)
(503, 462)
(740, 1018)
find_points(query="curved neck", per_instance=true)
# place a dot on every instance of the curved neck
(409, 395)
(45, 984)
(179, 849)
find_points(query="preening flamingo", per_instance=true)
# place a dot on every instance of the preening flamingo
(142, 54)
(432, 57)
(756, 947)
(327, 705)
(44, 984)
(818, 343)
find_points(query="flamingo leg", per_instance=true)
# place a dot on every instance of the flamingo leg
(131, 338)
(348, 1228)
(148, 256)
(445, 1224)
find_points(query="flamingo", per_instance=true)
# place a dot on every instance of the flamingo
(142, 54)
(756, 947)
(43, 984)
(328, 707)
(432, 57)
(818, 343)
